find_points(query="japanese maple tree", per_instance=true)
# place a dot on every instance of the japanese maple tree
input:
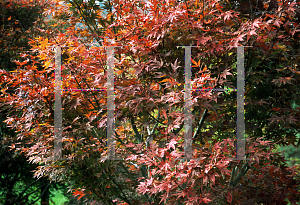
(149, 100)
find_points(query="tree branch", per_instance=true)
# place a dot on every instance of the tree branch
(204, 115)
(93, 95)
(41, 194)
(21, 195)
(124, 195)
(241, 173)
(136, 132)
(88, 21)
(150, 133)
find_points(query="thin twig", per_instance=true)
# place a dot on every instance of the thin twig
(204, 115)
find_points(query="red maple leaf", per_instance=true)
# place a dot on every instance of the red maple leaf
(78, 193)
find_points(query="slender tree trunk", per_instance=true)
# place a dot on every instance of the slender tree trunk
(45, 192)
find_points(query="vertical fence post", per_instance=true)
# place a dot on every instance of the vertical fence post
(240, 104)
(110, 104)
(58, 107)
(240, 146)
(188, 148)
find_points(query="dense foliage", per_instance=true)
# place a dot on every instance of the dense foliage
(149, 100)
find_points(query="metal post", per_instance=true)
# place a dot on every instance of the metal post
(110, 104)
(240, 104)
(58, 107)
